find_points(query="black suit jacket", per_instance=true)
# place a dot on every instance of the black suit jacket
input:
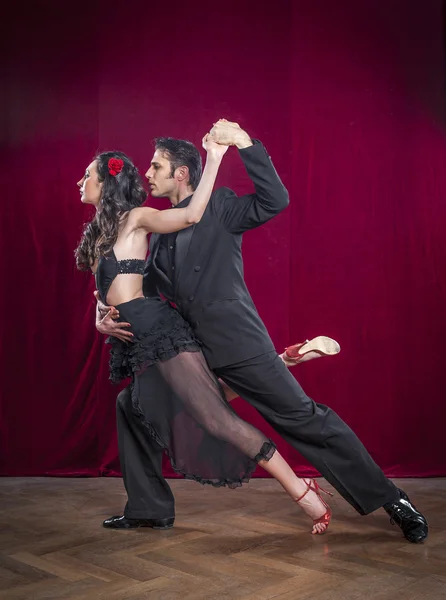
(209, 288)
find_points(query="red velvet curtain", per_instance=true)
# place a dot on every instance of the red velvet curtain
(349, 99)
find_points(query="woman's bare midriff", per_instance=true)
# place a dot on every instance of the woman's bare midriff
(125, 287)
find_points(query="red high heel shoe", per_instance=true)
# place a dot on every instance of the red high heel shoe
(322, 345)
(326, 517)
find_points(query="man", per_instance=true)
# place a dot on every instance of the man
(200, 269)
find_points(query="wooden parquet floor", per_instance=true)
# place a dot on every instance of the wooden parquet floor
(250, 544)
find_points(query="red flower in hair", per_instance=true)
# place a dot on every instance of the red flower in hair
(115, 166)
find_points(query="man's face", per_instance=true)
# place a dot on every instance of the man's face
(162, 183)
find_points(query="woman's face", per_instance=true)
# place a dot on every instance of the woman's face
(90, 186)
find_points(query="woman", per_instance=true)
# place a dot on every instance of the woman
(178, 398)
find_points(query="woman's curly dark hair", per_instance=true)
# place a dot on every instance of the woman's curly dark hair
(120, 194)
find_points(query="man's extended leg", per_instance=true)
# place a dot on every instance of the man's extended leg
(321, 436)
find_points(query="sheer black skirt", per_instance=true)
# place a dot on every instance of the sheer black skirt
(179, 399)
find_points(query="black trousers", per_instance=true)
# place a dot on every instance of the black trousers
(149, 494)
(315, 430)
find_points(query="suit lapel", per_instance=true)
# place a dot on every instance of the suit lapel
(182, 245)
(153, 245)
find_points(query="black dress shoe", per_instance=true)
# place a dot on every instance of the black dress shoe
(125, 523)
(404, 514)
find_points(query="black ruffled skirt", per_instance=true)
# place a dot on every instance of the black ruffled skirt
(179, 399)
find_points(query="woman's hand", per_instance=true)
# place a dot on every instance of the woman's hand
(214, 150)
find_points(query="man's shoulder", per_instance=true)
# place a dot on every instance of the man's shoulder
(222, 192)
(218, 203)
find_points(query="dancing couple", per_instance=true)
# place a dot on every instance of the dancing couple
(185, 362)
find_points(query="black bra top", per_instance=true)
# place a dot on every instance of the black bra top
(109, 267)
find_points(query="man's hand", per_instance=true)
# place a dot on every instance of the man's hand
(106, 322)
(230, 134)
(104, 309)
